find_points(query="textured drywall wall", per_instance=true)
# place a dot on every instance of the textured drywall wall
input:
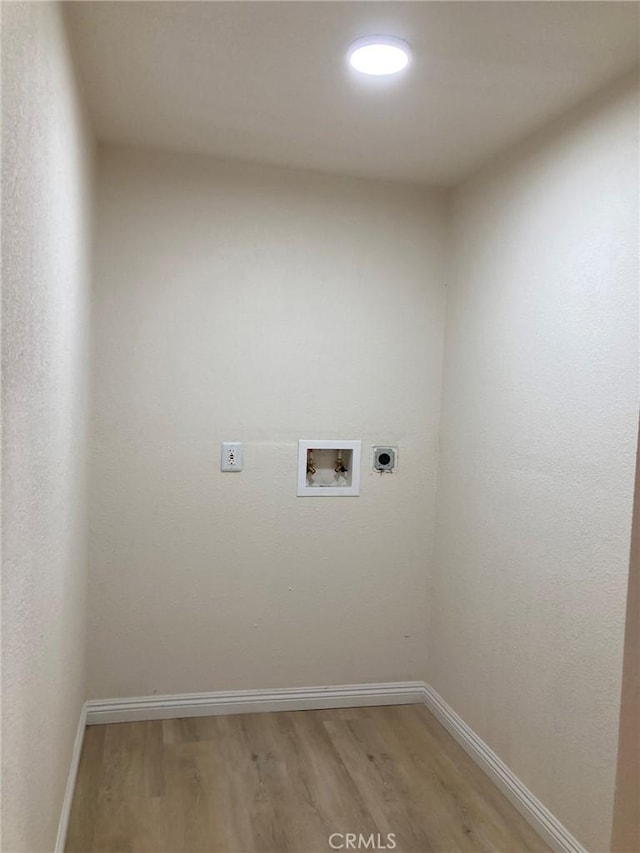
(262, 306)
(535, 481)
(46, 181)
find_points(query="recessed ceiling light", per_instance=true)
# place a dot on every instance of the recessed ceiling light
(379, 55)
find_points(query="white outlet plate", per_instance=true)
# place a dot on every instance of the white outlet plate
(231, 457)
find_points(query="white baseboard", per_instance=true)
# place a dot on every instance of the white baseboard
(533, 811)
(63, 823)
(252, 701)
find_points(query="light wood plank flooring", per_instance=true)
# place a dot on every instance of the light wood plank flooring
(283, 783)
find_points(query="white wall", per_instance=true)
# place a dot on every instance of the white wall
(46, 162)
(535, 481)
(260, 305)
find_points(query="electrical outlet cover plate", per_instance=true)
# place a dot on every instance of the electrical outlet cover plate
(384, 458)
(350, 448)
(231, 456)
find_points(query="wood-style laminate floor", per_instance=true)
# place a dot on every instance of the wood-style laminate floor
(284, 783)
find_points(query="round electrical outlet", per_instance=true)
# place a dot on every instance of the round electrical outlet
(384, 458)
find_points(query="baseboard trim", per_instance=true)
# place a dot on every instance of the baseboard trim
(534, 812)
(252, 701)
(65, 813)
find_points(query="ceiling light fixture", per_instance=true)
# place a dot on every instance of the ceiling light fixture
(379, 55)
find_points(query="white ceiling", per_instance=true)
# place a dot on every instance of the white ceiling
(268, 81)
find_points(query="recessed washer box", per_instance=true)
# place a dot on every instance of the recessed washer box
(328, 468)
